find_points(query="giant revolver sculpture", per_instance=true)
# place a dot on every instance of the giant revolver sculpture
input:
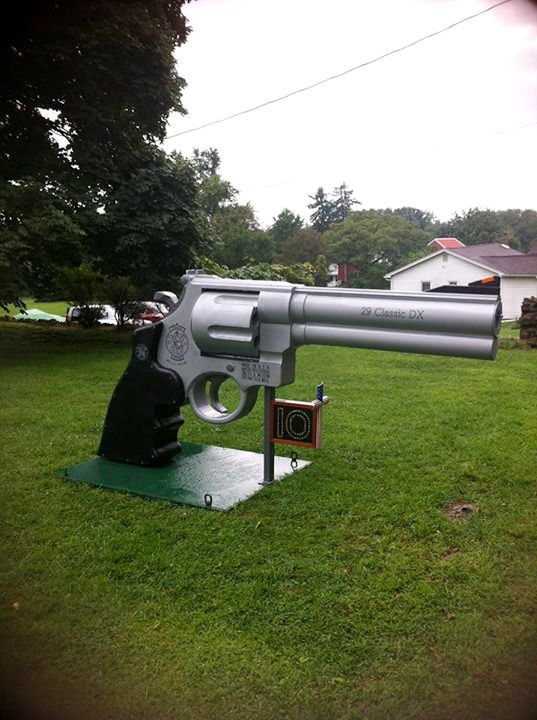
(249, 331)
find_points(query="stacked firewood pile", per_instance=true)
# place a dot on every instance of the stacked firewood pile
(528, 322)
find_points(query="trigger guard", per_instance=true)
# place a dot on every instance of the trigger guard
(203, 408)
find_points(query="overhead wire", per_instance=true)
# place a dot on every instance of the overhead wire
(517, 127)
(385, 55)
(503, 131)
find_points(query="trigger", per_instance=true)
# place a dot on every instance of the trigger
(214, 395)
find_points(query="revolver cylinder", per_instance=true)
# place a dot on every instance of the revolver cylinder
(226, 324)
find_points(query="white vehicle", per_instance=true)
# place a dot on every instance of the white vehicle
(108, 318)
(152, 313)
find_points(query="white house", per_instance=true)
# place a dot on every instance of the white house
(459, 265)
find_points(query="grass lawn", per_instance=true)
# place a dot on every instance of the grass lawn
(509, 328)
(343, 592)
(58, 307)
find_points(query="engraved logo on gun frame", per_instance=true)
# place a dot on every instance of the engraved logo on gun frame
(177, 342)
(256, 372)
(141, 351)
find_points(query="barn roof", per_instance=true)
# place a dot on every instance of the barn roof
(446, 242)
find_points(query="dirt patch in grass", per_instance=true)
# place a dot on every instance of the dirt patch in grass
(461, 510)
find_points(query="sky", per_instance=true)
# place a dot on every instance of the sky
(432, 127)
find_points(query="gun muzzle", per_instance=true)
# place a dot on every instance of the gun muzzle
(436, 324)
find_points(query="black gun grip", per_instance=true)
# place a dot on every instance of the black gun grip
(144, 414)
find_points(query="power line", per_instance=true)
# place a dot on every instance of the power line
(490, 134)
(517, 127)
(341, 74)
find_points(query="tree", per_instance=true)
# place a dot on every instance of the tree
(321, 270)
(152, 228)
(206, 162)
(375, 242)
(328, 210)
(85, 85)
(39, 233)
(238, 238)
(323, 210)
(420, 218)
(233, 231)
(214, 192)
(304, 246)
(86, 91)
(301, 273)
(472, 227)
(519, 227)
(12, 273)
(283, 227)
(83, 286)
(342, 203)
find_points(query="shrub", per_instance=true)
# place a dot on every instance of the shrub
(121, 293)
(90, 315)
(83, 286)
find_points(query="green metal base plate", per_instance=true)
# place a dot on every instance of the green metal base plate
(201, 475)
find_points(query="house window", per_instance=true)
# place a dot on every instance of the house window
(425, 286)
(452, 282)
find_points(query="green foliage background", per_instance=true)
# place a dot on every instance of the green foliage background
(87, 89)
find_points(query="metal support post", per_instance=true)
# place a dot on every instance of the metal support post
(268, 446)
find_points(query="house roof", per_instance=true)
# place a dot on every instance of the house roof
(512, 264)
(501, 258)
(423, 259)
(486, 250)
(493, 257)
(447, 242)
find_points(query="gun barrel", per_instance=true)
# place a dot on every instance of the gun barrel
(437, 324)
